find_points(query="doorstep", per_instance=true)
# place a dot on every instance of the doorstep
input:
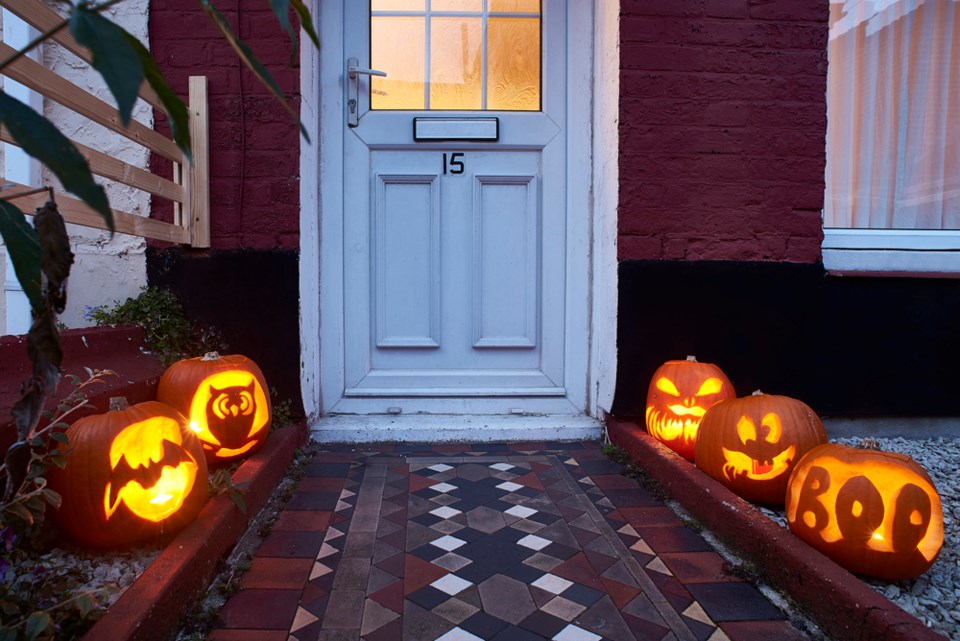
(843, 606)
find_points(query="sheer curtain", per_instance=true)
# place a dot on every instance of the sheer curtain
(893, 109)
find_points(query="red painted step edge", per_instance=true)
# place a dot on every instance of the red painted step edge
(842, 605)
(151, 608)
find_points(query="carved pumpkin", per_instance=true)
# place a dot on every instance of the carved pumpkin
(225, 401)
(874, 513)
(751, 444)
(680, 393)
(130, 474)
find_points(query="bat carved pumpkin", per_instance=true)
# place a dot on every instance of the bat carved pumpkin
(874, 513)
(679, 395)
(225, 401)
(130, 474)
(751, 444)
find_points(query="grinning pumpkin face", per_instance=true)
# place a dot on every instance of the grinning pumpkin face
(751, 444)
(130, 475)
(874, 513)
(679, 395)
(224, 400)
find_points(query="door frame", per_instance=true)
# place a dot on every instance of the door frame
(591, 300)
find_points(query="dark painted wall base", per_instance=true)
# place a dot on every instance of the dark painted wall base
(251, 296)
(843, 345)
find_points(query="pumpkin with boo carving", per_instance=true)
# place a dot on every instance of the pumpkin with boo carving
(225, 401)
(679, 395)
(130, 474)
(751, 444)
(874, 513)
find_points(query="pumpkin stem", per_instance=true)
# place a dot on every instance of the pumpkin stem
(211, 356)
(691, 358)
(118, 403)
(757, 392)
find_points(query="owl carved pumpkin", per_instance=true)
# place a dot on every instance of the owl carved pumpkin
(225, 401)
(130, 474)
(875, 513)
(679, 395)
(751, 444)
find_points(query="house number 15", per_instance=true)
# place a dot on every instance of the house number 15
(454, 164)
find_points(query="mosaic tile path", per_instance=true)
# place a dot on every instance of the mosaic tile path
(517, 542)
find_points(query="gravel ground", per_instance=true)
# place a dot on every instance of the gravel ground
(934, 597)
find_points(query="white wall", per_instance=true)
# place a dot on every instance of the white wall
(105, 269)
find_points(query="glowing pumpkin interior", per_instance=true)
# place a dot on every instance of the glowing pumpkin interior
(884, 506)
(228, 412)
(152, 473)
(759, 454)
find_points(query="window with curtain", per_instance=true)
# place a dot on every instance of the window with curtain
(893, 136)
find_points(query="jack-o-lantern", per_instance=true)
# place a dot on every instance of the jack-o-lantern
(751, 444)
(225, 401)
(680, 393)
(875, 513)
(130, 474)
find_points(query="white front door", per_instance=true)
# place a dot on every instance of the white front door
(453, 241)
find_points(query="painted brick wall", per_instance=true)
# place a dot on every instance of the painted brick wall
(254, 145)
(722, 128)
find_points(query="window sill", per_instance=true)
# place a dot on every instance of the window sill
(882, 252)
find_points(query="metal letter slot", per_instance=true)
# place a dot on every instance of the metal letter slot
(473, 129)
(353, 89)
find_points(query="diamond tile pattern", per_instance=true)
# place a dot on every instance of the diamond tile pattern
(525, 542)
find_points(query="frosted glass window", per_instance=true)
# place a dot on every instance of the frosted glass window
(456, 54)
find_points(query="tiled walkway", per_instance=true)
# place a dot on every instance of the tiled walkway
(509, 542)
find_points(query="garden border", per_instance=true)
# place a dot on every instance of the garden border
(844, 607)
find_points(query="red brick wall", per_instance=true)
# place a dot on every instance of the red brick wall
(254, 144)
(722, 127)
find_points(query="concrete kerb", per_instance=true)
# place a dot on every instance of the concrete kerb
(844, 607)
(151, 609)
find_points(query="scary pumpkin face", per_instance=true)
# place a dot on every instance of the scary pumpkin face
(874, 513)
(224, 400)
(679, 395)
(129, 475)
(751, 444)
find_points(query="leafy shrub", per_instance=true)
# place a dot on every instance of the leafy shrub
(167, 332)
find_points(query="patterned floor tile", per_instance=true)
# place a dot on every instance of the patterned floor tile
(505, 542)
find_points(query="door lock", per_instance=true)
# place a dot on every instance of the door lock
(353, 89)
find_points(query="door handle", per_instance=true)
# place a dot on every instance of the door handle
(353, 89)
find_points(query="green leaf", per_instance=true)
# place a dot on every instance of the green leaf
(281, 8)
(40, 139)
(20, 511)
(247, 57)
(176, 110)
(113, 56)
(306, 21)
(53, 498)
(24, 249)
(38, 623)
(85, 604)
(237, 499)
(60, 437)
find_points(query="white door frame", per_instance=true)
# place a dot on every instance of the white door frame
(593, 61)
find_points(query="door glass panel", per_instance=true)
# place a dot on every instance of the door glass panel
(456, 5)
(397, 5)
(455, 64)
(456, 54)
(403, 86)
(513, 64)
(499, 6)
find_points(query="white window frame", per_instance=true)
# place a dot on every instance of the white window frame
(920, 252)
